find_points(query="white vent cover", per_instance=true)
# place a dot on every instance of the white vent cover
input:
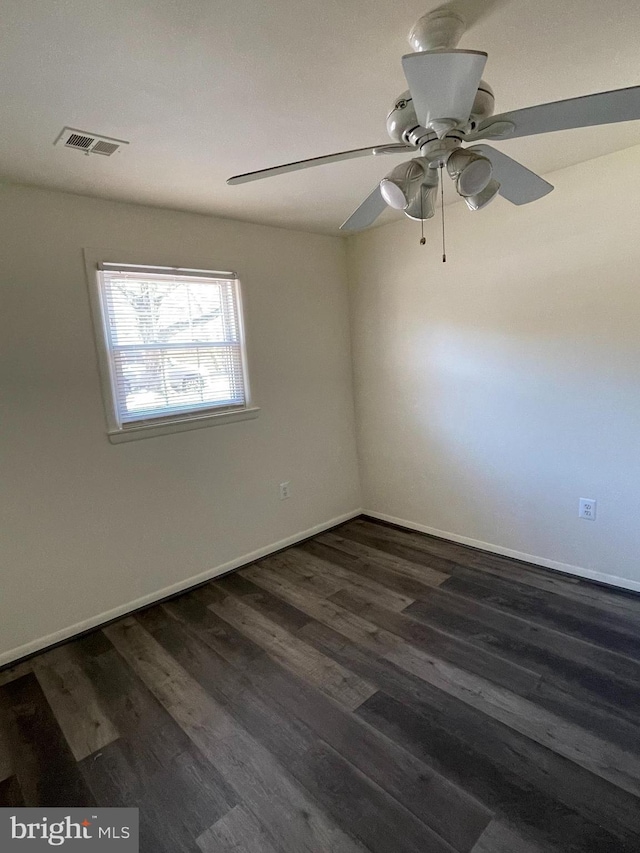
(90, 143)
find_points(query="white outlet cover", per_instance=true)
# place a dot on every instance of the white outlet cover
(285, 491)
(587, 509)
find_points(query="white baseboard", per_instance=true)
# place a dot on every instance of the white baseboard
(587, 574)
(27, 649)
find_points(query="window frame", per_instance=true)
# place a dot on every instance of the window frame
(157, 424)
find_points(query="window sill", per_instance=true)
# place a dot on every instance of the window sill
(149, 430)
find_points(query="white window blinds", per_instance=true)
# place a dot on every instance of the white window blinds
(174, 339)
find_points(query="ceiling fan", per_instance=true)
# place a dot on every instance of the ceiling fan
(447, 106)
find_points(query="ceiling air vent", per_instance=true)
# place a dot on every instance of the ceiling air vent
(90, 143)
(77, 141)
(106, 148)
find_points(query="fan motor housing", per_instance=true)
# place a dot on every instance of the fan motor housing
(483, 104)
(402, 120)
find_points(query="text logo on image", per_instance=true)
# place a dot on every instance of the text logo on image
(104, 830)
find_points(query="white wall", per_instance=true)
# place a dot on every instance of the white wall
(88, 528)
(491, 394)
(496, 390)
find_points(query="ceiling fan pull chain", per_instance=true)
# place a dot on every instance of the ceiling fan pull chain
(423, 239)
(444, 251)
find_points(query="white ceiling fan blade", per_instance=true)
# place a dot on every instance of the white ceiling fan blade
(394, 148)
(602, 108)
(443, 83)
(367, 213)
(518, 184)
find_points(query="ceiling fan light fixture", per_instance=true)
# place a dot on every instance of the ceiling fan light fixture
(393, 194)
(482, 199)
(399, 185)
(472, 172)
(475, 177)
(423, 204)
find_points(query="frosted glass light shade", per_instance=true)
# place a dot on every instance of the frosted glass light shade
(477, 202)
(399, 185)
(471, 172)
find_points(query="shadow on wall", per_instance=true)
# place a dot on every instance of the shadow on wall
(495, 392)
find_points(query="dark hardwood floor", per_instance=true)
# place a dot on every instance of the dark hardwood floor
(371, 689)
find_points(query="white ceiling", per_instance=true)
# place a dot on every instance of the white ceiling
(204, 90)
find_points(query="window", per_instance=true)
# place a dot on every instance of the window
(172, 345)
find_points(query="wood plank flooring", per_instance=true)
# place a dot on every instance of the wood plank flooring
(371, 689)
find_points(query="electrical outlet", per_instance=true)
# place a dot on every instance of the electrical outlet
(587, 509)
(285, 491)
